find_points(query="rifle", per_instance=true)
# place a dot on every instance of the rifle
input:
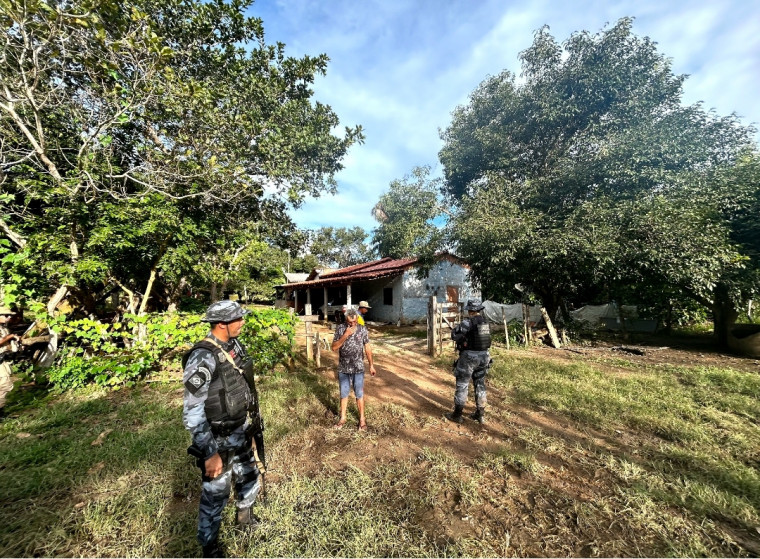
(256, 430)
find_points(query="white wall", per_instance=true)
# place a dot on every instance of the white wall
(416, 292)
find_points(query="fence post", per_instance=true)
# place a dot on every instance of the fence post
(506, 330)
(439, 329)
(317, 350)
(309, 341)
(431, 326)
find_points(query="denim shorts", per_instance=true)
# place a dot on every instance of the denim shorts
(347, 380)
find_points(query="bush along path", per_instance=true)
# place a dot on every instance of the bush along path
(580, 456)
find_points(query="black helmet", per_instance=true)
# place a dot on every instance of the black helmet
(474, 305)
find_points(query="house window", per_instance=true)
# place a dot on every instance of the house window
(388, 296)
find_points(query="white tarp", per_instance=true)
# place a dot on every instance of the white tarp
(493, 312)
(594, 315)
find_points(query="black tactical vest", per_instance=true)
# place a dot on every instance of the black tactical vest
(228, 395)
(479, 334)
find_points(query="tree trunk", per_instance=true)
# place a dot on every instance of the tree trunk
(724, 316)
(214, 292)
(149, 288)
(175, 294)
(550, 327)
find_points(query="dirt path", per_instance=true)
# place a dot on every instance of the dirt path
(405, 406)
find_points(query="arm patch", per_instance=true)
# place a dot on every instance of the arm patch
(196, 380)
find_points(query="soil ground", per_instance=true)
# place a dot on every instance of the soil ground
(408, 377)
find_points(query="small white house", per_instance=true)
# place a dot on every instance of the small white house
(390, 286)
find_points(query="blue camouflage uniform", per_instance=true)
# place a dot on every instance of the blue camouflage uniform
(471, 365)
(233, 446)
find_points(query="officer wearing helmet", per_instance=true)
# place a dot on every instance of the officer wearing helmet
(215, 412)
(473, 338)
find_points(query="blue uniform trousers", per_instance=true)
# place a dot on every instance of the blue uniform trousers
(215, 493)
(471, 365)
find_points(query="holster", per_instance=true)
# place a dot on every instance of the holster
(195, 452)
(200, 461)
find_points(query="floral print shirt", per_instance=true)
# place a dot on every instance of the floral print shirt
(351, 353)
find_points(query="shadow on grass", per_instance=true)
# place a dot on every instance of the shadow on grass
(104, 474)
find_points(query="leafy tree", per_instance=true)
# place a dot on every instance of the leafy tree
(573, 180)
(340, 247)
(133, 133)
(407, 214)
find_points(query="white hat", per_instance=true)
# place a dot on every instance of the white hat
(364, 304)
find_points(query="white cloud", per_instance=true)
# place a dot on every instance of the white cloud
(399, 68)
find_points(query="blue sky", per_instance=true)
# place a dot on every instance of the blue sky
(400, 67)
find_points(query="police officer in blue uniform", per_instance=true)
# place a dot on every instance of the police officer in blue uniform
(473, 338)
(215, 412)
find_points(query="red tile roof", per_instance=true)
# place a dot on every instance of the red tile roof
(384, 267)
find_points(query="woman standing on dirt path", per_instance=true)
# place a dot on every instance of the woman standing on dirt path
(353, 341)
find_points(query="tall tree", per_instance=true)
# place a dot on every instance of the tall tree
(547, 167)
(340, 246)
(148, 113)
(407, 214)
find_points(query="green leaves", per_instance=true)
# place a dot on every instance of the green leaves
(120, 354)
(339, 247)
(406, 214)
(142, 129)
(588, 176)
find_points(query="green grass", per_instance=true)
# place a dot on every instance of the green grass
(700, 439)
(95, 473)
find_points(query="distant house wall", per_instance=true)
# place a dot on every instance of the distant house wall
(375, 295)
(401, 298)
(416, 291)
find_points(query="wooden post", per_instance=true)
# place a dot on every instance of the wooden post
(309, 339)
(431, 319)
(550, 327)
(317, 350)
(526, 328)
(440, 330)
(506, 330)
(324, 307)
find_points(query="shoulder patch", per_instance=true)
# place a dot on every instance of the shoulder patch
(196, 380)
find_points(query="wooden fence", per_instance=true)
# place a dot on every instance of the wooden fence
(442, 318)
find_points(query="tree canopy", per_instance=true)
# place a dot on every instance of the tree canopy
(340, 247)
(406, 216)
(587, 175)
(151, 142)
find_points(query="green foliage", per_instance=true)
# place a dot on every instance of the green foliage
(268, 336)
(339, 247)
(587, 176)
(121, 353)
(138, 143)
(406, 214)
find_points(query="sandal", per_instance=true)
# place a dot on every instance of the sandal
(339, 424)
(362, 427)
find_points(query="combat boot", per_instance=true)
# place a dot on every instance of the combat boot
(213, 549)
(246, 518)
(456, 415)
(477, 415)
